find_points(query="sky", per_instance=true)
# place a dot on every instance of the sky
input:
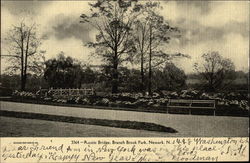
(205, 26)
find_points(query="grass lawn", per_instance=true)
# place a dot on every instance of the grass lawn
(16, 127)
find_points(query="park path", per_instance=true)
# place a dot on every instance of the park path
(186, 125)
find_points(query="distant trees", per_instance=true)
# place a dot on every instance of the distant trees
(216, 71)
(168, 78)
(23, 51)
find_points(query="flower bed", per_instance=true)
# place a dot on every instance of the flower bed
(225, 102)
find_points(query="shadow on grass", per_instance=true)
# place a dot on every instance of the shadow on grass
(91, 121)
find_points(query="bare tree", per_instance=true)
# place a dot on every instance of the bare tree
(23, 50)
(215, 70)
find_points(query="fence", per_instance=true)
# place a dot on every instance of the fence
(192, 104)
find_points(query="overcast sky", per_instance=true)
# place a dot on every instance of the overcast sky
(205, 26)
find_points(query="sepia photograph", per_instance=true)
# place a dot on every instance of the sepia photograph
(118, 68)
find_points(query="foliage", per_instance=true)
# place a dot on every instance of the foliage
(63, 72)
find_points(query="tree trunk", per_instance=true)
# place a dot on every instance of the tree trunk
(23, 83)
(142, 61)
(115, 59)
(142, 73)
(115, 71)
(150, 59)
(211, 83)
(24, 74)
(26, 62)
(22, 63)
(115, 77)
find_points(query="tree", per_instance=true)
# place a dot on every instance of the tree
(215, 70)
(63, 72)
(23, 50)
(170, 78)
(152, 32)
(113, 20)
